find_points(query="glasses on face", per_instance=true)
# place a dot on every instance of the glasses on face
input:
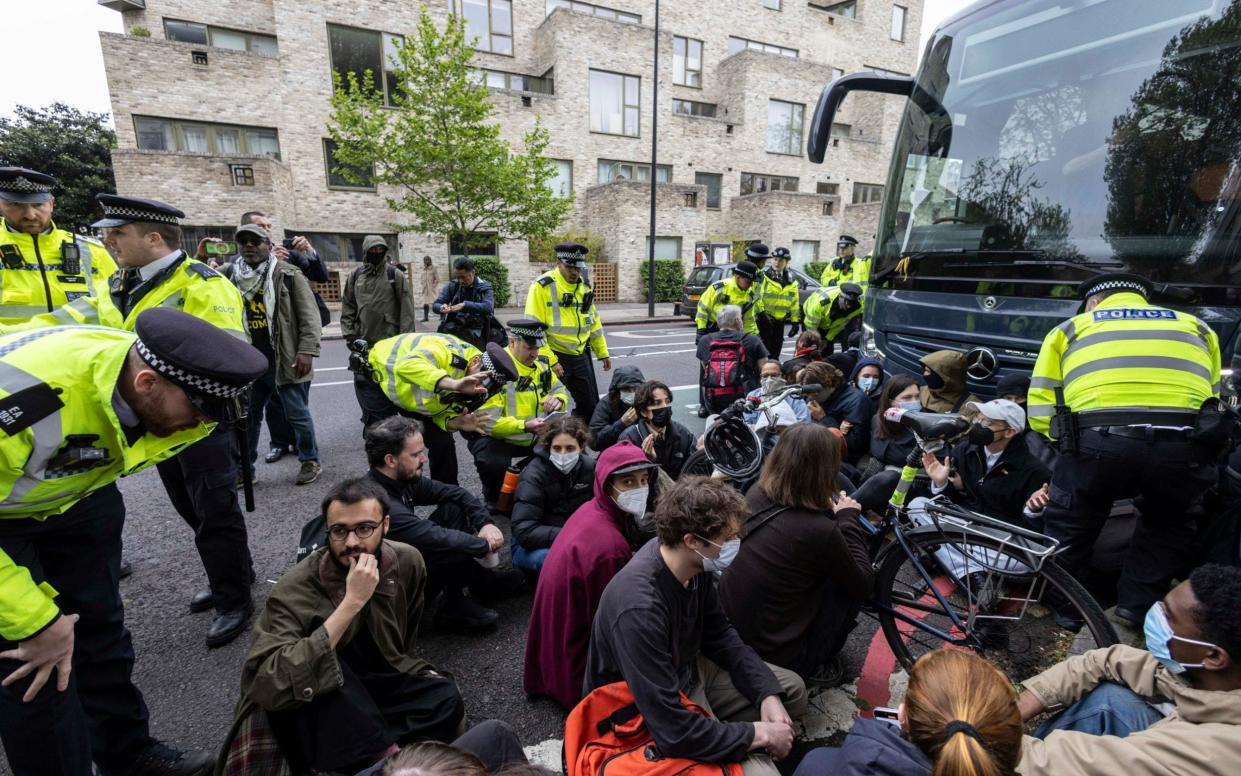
(361, 530)
(250, 242)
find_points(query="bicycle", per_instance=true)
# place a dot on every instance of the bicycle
(949, 576)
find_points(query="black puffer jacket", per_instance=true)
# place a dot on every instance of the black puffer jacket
(605, 424)
(545, 498)
(1003, 491)
(848, 403)
(671, 451)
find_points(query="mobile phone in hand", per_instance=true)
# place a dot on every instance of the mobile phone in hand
(887, 714)
(553, 415)
(288, 244)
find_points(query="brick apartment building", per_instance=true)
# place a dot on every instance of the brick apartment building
(221, 107)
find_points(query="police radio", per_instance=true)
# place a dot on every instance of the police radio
(70, 258)
(11, 256)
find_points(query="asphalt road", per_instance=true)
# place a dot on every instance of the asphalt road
(191, 691)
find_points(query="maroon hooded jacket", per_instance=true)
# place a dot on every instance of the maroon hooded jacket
(591, 548)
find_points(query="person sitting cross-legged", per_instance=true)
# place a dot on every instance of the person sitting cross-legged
(334, 662)
(1172, 708)
(557, 480)
(661, 630)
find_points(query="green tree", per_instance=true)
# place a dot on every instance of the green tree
(73, 146)
(441, 149)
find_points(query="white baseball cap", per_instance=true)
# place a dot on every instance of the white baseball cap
(1004, 410)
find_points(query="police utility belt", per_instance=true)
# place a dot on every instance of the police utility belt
(1212, 426)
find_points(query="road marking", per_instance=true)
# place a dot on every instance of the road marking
(331, 368)
(648, 333)
(325, 385)
(656, 353)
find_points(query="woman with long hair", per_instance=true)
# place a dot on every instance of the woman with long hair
(664, 440)
(959, 718)
(803, 569)
(559, 479)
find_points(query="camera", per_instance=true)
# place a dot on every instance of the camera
(288, 244)
(359, 352)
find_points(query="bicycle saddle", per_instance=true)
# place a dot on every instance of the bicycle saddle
(934, 425)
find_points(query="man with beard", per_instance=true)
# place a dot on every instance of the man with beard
(375, 305)
(283, 322)
(459, 531)
(82, 407)
(830, 310)
(334, 661)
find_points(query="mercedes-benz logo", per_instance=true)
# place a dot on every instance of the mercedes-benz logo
(990, 303)
(980, 363)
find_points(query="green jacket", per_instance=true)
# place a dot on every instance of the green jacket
(376, 304)
(293, 320)
(36, 479)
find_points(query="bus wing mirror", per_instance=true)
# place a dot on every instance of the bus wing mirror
(834, 94)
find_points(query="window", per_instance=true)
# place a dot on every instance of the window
(784, 126)
(345, 176)
(804, 251)
(343, 247)
(236, 40)
(487, 22)
(898, 23)
(612, 170)
(736, 44)
(714, 182)
(594, 10)
(500, 79)
(562, 183)
(831, 189)
(757, 183)
(772, 4)
(614, 103)
(356, 51)
(199, 138)
(848, 9)
(243, 174)
(665, 247)
(841, 130)
(691, 108)
(687, 62)
(484, 245)
(865, 193)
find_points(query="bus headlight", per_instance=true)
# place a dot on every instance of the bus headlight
(869, 346)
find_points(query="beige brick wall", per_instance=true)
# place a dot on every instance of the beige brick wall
(153, 76)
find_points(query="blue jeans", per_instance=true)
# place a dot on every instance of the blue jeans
(529, 560)
(295, 398)
(1108, 710)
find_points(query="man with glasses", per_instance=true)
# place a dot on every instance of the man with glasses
(334, 662)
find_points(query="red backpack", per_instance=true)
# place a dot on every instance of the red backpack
(605, 735)
(725, 361)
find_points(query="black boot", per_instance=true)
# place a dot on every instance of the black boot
(426, 312)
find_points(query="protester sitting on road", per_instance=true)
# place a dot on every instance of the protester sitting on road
(890, 442)
(664, 440)
(807, 349)
(1173, 709)
(452, 539)
(487, 748)
(945, 389)
(846, 361)
(959, 718)
(803, 569)
(730, 359)
(615, 412)
(839, 405)
(661, 630)
(334, 662)
(556, 481)
(868, 377)
(1015, 386)
(597, 542)
(771, 382)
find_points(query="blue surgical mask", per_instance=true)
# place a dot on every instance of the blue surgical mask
(868, 384)
(728, 553)
(626, 397)
(910, 406)
(1159, 635)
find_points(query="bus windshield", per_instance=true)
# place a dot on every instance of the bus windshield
(1074, 138)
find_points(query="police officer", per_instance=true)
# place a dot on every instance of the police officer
(781, 302)
(847, 268)
(81, 408)
(42, 267)
(564, 303)
(439, 380)
(741, 289)
(830, 310)
(145, 236)
(1121, 385)
(515, 416)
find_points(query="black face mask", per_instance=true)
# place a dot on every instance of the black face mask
(981, 435)
(375, 257)
(933, 381)
(661, 417)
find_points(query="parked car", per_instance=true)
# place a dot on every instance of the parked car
(702, 276)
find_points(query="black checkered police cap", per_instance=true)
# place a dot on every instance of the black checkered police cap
(780, 253)
(531, 330)
(757, 251)
(499, 363)
(572, 254)
(25, 187)
(118, 211)
(845, 239)
(1113, 281)
(208, 363)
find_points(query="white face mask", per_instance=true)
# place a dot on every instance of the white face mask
(565, 461)
(626, 397)
(633, 501)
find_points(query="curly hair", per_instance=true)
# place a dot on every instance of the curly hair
(701, 506)
(644, 397)
(822, 373)
(1218, 589)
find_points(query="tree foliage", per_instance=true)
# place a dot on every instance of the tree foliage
(543, 249)
(441, 150)
(73, 146)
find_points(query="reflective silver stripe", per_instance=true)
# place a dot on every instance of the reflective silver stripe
(172, 300)
(555, 304)
(47, 432)
(22, 310)
(84, 252)
(1139, 362)
(1041, 411)
(1045, 382)
(393, 357)
(1069, 330)
(1134, 335)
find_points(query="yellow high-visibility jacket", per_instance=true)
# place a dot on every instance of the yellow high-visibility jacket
(722, 293)
(568, 310)
(780, 296)
(33, 278)
(521, 400)
(408, 366)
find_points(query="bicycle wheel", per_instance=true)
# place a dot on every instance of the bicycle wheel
(698, 463)
(1000, 609)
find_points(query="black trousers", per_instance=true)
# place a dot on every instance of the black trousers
(441, 446)
(447, 569)
(836, 619)
(202, 485)
(372, 400)
(102, 715)
(771, 332)
(1169, 475)
(492, 457)
(579, 378)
